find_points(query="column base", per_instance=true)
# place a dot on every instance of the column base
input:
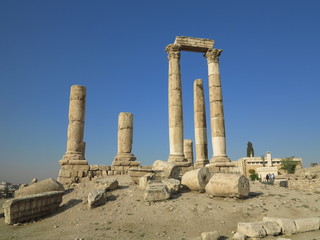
(124, 157)
(177, 158)
(201, 163)
(216, 159)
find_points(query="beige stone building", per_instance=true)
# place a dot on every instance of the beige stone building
(263, 166)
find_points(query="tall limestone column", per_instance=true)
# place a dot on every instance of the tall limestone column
(216, 107)
(75, 145)
(188, 150)
(175, 105)
(125, 137)
(200, 125)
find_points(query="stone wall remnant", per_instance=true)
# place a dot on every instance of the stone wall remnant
(22, 209)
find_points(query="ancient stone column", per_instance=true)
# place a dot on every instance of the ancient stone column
(188, 150)
(175, 105)
(75, 145)
(200, 125)
(125, 137)
(216, 107)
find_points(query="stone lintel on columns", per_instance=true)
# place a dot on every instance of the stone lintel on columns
(192, 44)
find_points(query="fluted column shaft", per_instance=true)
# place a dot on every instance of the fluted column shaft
(75, 144)
(216, 107)
(200, 126)
(175, 105)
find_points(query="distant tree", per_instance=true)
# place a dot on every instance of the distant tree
(250, 150)
(289, 165)
(253, 175)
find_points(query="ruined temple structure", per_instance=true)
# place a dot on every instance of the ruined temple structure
(219, 159)
(74, 166)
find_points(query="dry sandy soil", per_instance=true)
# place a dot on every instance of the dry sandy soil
(127, 216)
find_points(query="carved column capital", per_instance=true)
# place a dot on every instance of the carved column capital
(173, 51)
(213, 55)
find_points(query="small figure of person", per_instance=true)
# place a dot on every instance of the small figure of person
(267, 178)
(272, 177)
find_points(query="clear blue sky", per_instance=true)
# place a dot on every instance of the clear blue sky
(269, 71)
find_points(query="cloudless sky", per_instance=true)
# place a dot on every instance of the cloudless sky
(270, 70)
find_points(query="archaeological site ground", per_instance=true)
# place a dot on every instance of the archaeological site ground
(181, 197)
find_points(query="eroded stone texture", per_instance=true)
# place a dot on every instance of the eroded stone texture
(156, 191)
(196, 179)
(252, 229)
(47, 185)
(143, 181)
(307, 224)
(165, 169)
(175, 105)
(32, 206)
(188, 150)
(287, 225)
(200, 125)
(97, 198)
(210, 235)
(194, 44)
(228, 185)
(173, 185)
(216, 107)
(75, 144)
(108, 184)
(125, 137)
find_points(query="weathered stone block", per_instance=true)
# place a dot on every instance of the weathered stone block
(96, 198)
(239, 236)
(210, 235)
(143, 181)
(228, 185)
(170, 170)
(272, 228)
(156, 192)
(173, 185)
(194, 44)
(281, 182)
(32, 206)
(46, 185)
(251, 229)
(196, 179)
(107, 184)
(307, 224)
(287, 225)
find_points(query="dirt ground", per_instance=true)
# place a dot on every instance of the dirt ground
(185, 216)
